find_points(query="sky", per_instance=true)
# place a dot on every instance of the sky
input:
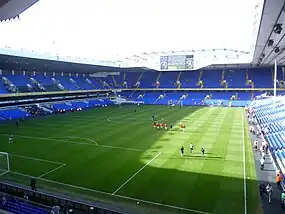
(107, 29)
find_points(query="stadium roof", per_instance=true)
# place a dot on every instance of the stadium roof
(267, 51)
(130, 32)
(10, 9)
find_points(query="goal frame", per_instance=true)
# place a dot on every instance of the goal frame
(7, 159)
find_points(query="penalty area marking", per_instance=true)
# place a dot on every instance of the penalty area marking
(136, 173)
(41, 160)
(36, 159)
(3, 173)
(82, 138)
(118, 196)
(79, 143)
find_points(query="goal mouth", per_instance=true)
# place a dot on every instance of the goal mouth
(4, 163)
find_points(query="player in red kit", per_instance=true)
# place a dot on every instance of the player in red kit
(182, 127)
(157, 125)
(165, 126)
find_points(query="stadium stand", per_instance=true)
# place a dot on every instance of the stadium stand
(270, 117)
(43, 202)
(9, 114)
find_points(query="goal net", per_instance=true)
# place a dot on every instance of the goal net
(4, 163)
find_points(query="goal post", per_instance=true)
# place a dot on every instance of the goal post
(4, 163)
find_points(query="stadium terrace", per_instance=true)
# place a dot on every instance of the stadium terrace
(190, 131)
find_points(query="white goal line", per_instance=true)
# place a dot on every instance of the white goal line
(115, 195)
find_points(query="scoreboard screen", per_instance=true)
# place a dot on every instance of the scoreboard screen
(177, 62)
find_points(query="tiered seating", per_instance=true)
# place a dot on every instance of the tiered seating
(20, 81)
(236, 79)
(189, 79)
(150, 97)
(81, 105)
(46, 82)
(96, 84)
(18, 207)
(148, 80)
(64, 80)
(132, 78)
(97, 102)
(81, 82)
(3, 89)
(62, 107)
(168, 80)
(119, 80)
(195, 98)
(212, 79)
(243, 95)
(107, 82)
(262, 78)
(10, 114)
(271, 116)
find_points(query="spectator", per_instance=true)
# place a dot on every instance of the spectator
(278, 180)
(55, 209)
(269, 192)
(261, 150)
(282, 199)
(3, 201)
(33, 184)
(262, 189)
(262, 161)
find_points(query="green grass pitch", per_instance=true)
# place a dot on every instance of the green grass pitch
(113, 155)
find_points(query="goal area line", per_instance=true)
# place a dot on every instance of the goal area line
(110, 194)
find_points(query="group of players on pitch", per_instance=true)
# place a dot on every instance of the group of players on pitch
(191, 150)
(157, 126)
(160, 125)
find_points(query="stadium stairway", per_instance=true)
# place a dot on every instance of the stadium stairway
(200, 77)
(178, 83)
(267, 175)
(114, 81)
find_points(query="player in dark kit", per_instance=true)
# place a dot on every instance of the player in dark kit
(153, 119)
(202, 151)
(191, 148)
(170, 127)
(182, 151)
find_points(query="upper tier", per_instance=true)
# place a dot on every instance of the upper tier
(238, 78)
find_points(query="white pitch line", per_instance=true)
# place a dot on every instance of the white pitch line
(36, 159)
(57, 168)
(79, 143)
(3, 173)
(63, 184)
(118, 196)
(124, 148)
(162, 205)
(82, 138)
(244, 171)
(136, 173)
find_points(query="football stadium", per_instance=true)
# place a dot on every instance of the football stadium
(130, 107)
